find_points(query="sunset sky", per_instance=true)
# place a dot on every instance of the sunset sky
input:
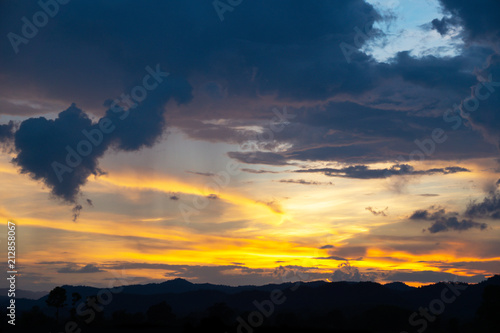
(338, 140)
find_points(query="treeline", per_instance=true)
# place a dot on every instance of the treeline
(284, 311)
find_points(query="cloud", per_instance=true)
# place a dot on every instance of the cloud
(6, 135)
(346, 272)
(324, 247)
(364, 172)
(303, 182)
(274, 205)
(444, 221)
(452, 223)
(205, 174)
(331, 258)
(71, 268)
(258, 171)
(76, 212)
(41, 143)
(485, 29)
(7, 132)
(354, 112)
(488, 208)
(377, 213)
(339, 258)
(259, 157)
(444, 25)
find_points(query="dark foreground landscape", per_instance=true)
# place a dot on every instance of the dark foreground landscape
(181, 306)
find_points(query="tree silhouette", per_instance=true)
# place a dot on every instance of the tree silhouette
(57, 297)
(75, 298)
(160, 313)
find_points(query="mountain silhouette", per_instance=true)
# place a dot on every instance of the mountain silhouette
(182, 306)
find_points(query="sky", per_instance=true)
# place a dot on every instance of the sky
(250, 143)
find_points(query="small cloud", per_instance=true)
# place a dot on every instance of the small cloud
(364, 172)
(76, 212)
(428, 195)
(332, 258)
(71, 268)
(274, 205)
(346, 272)
(377, 213)
(258, 171)
(259, 157)
(205, 174)
(212, 196)
(304, 182)
(174, 197)
(324, 247)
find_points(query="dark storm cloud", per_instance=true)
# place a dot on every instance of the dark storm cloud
(7, 132)
(41, 142)
(188, 37)
(488, 208)
(364, 172)
(446, 221)
(481, 108)
(90, 51)
(433, 72)
(444, 25)
(481, 26)
(479, 18)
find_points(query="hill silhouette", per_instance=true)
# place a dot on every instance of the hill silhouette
(181, 306)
